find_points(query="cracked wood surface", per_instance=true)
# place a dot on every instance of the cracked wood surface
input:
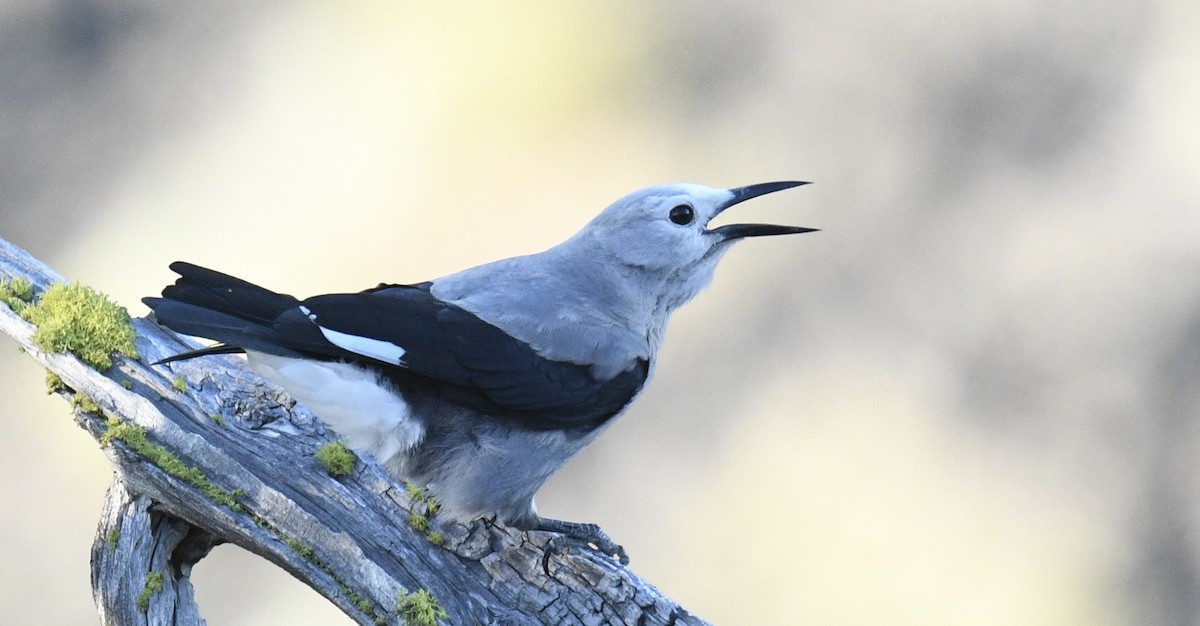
(349, 538)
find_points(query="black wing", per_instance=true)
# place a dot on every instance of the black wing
(457, 356)
(416, 340)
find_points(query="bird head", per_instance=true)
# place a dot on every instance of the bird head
(664, 232)
(667, 227)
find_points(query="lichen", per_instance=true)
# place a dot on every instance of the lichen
(420, 608)
(75, 318)
(337, 458)
(154, 584)
(114, 537)
(135, 438)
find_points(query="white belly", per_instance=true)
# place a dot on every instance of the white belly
(355, 402)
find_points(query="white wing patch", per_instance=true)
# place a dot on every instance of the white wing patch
(385, 351)
(377, 349)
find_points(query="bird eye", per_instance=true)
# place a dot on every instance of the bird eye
(682, 215)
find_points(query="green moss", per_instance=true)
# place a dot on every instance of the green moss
(135, 438)
(179, 384)
(420, 608)
(359, 601)
(421, 496)
(113, 538)
(416, 493)
(126, 383)
(54, 384)
(418, 521)
(85, 404)
(421, 524)
(19, 288)
(422, 499)
(154, 584)
(337, 458)
(216, 417)
(71, 317)
(301, 549)
(16, 293)
(306, 552)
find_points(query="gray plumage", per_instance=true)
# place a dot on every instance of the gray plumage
(482, 383)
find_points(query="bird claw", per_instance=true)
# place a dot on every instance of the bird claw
(589, 535)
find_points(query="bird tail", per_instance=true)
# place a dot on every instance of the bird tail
(209, 304)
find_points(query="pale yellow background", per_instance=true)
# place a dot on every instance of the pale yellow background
(974, 398)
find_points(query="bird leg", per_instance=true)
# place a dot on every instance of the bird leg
(589, 535)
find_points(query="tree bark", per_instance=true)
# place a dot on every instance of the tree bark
(230, 458)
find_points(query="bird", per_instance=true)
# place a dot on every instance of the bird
(481, 384)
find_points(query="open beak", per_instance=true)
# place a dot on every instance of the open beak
(731, 232)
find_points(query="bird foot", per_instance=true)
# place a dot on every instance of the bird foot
(589, 535)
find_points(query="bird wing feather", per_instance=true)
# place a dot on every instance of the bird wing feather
(453, 354)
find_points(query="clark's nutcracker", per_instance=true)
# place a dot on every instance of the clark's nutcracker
(481, 384)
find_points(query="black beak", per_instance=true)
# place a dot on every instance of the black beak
(742, 194)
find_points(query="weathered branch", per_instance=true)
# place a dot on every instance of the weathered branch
(207, 453)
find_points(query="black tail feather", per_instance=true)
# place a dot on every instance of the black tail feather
(209, 304)
(226, 294)
(191, 354)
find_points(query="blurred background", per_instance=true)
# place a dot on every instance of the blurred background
(974, 398)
